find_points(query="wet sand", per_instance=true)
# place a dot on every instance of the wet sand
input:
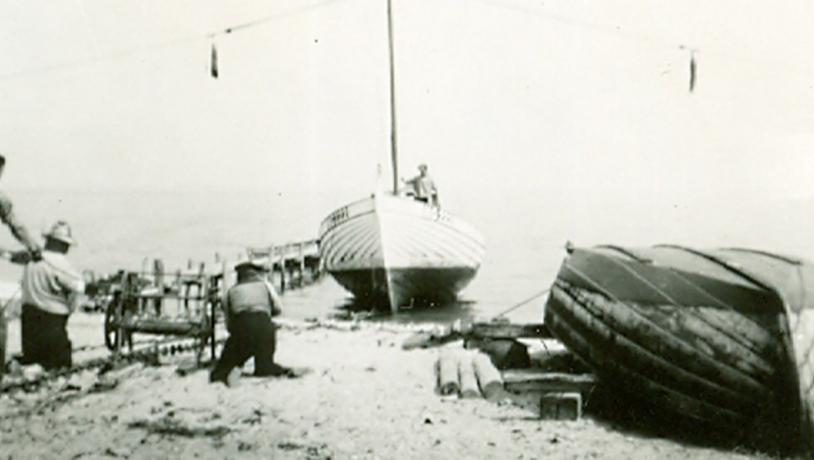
(364, 397)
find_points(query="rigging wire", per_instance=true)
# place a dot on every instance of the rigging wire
(804, 72)
(529, 10)
(211, 35)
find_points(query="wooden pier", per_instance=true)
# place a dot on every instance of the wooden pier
(290, 265)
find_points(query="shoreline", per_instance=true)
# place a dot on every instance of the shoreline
(364, 397)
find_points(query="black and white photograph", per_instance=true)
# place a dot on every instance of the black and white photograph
(406, 229)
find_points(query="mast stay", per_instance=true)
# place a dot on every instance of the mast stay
(393, 136)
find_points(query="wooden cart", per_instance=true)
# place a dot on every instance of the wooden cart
(144, 303)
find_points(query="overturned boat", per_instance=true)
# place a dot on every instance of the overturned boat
(722, 338)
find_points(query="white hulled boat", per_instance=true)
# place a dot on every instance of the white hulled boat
(391, 250)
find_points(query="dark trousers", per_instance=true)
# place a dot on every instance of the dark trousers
(45, 338)
(250, 335)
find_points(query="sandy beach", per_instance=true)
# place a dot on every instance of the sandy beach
(364, 397)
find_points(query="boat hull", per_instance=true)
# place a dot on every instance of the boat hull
(707, 336)
(405, 285)
(392, 252)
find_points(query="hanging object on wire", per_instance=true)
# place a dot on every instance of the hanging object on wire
(213, 61)
(693, 70)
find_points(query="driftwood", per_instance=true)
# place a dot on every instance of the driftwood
(489, 379)
(466, 373)
(448, 373)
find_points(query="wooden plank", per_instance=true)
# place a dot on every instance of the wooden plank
(528, 380)
(501, 330)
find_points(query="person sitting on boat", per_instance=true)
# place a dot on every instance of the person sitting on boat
(424, 187)
(249, 306)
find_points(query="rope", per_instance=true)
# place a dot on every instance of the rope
(524, 302)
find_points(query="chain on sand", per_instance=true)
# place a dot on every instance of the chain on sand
(147, 354)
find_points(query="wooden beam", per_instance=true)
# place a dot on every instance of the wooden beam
(501, 330)
(533, 380)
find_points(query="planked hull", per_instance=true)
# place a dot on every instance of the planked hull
(718, 338)
(391, 251)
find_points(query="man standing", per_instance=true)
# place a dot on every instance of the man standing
(22, 235)
(51, 292)
(8, 218)
(249, 306)
(424, 187)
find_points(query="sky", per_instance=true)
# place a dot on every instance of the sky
(571, 99)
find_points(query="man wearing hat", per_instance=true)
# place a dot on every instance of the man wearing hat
(424, 186)
(249, 306)
(51, 290)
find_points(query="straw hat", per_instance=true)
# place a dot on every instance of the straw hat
(250, 265)
(61, 231)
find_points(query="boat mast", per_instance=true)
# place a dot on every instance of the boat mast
(393, 137)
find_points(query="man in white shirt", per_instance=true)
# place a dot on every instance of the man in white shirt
(51, 290)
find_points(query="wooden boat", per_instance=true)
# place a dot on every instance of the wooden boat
(723, 338)
(391, 250)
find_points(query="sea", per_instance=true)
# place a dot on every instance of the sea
(526, 230)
